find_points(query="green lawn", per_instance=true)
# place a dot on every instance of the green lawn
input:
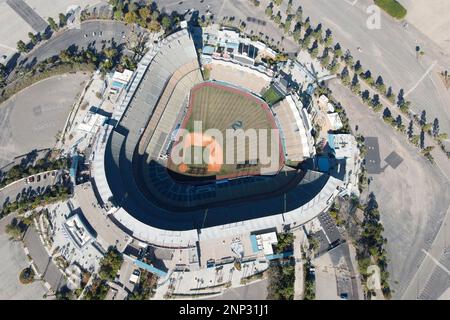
(271, 96)
(392, 7)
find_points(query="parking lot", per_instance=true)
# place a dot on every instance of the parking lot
(13, 261)
(413, 197)
(18, 17)
(43, 262)
(32, 118)
(253, 291)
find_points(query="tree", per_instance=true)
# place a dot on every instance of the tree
(400, 98)
(14, 229)
(154, 26)
(52, 24)
(435, 127)
(410, 131)
(277, 18)
(357, 67)
(368, 77)
(390, 95)
(132, 7)
(355, 84)
(155, 15)
(345, 76)
(379, 84)
(376, 103)
(317, 33)
(314, 51)
(337, 50)
(287, 24)
(334, 66)
(387, 113)
(21, 46)
(299, 14)
(130, 17)
(404, 106)
(62, 20)
(365, 95)
(325, 58)
(32, 37)
(422, 139)
(166, 22)
(306, 41)
(144, 14)
(269, 10)
(348, 58)
(289, 7)
(423, 118)
(415, 139)
(297, 31)
(118, 14)
(328, 39)
(399, 120)
(65, 56)
(110, 264)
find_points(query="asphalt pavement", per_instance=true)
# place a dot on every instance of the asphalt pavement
(31, 119)
(13, 261)
(413, 198)
(253, 291)
(21, 188)
(92, 33)
(389, 51)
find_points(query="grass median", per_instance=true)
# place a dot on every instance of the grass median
(392, 7)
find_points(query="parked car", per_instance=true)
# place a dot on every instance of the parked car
(135, 276)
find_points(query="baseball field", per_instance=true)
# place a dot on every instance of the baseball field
(235, 115)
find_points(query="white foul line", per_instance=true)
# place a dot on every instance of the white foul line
(436, 262)
(421, 79)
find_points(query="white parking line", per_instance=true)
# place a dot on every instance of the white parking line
(8, 47)
(352, 3)
(436, 262)
(421, 78)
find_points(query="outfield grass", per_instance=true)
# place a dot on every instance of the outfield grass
(392, 7)
(220, 107)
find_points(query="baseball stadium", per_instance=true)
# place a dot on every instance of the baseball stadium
(159, 201)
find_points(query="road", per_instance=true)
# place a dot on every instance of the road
(413, 198)
(21, 188)
(112, 32)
